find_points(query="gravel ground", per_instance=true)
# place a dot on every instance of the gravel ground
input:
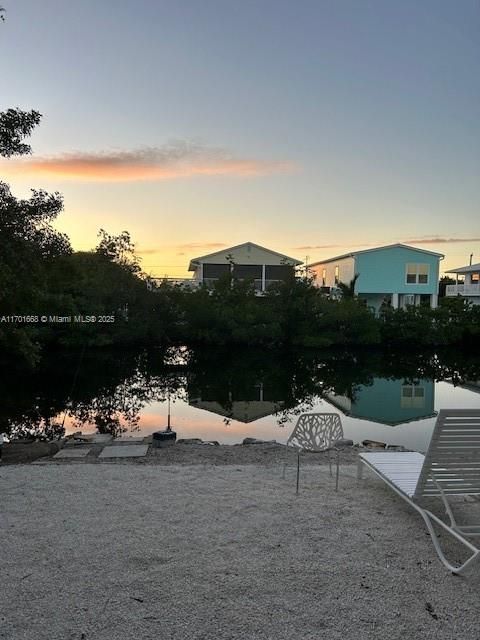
(122, 551)
(191, 454)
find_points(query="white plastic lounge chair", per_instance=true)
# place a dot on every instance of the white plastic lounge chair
(317, 432)
(451, 467)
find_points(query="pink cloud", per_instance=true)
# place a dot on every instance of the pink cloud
(178, 159)
(440, 240)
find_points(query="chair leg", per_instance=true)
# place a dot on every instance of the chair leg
(359, 469)
(338, 471)
(298, 472)
(459, 569)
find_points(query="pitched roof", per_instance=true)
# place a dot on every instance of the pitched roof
(471, 268)
(195, 261)
(387, 246)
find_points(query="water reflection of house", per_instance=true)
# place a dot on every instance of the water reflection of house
(249, 406)
(389, 402)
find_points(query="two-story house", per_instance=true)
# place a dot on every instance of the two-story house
(397, 274)
(244, 261)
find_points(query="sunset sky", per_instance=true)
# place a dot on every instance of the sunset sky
(310, 127)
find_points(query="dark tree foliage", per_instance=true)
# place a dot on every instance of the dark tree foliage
(442, 286)
(119, 249)
(348, 290)
(15, 125)
(91, 284)
(29, 242)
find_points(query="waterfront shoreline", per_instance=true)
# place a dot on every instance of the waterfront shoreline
(186, 454)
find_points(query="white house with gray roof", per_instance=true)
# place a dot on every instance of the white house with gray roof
(244, 261)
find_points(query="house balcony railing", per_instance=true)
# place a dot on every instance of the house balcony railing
(174, 282)
(259, 285)
(463, 289)
(191, 283)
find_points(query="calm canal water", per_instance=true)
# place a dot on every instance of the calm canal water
(227, 395)
(375, 422)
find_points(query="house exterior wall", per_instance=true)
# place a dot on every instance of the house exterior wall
(346, 272)
(246, 254)
(248, 261)
(384, 271)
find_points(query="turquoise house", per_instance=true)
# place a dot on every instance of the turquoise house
(397, 274)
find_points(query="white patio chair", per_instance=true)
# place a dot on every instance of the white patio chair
(451, 467)
(317, 432)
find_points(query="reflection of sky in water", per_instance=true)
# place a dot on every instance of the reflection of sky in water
(193, 422)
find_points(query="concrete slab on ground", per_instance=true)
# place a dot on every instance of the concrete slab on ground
(124, 441)
(77, 452)
(94, 438)
(124, 451)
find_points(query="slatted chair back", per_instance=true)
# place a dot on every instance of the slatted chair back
(453, 457)
(316, 431)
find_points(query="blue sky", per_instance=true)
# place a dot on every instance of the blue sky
(307, 127)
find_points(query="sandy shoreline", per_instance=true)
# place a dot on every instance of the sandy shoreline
(185, 454)
(188, 454)
(204, 551)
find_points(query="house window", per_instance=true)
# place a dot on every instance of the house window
(413, 397)
(324, 277)
(279, 272)
(215, 271)
(475, 277)
(247, 271)
(417, 273)
(337, 275)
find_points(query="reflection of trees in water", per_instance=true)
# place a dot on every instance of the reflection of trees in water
(119, 410)
(109, 392)
(111, 389)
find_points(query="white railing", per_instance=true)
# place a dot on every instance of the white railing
(208, 282)
(463, 289)
(176, 282)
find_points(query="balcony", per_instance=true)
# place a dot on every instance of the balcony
(257, 283)
(191, 283)
(463, 289)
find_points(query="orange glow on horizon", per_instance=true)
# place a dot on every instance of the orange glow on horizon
(129, 167)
